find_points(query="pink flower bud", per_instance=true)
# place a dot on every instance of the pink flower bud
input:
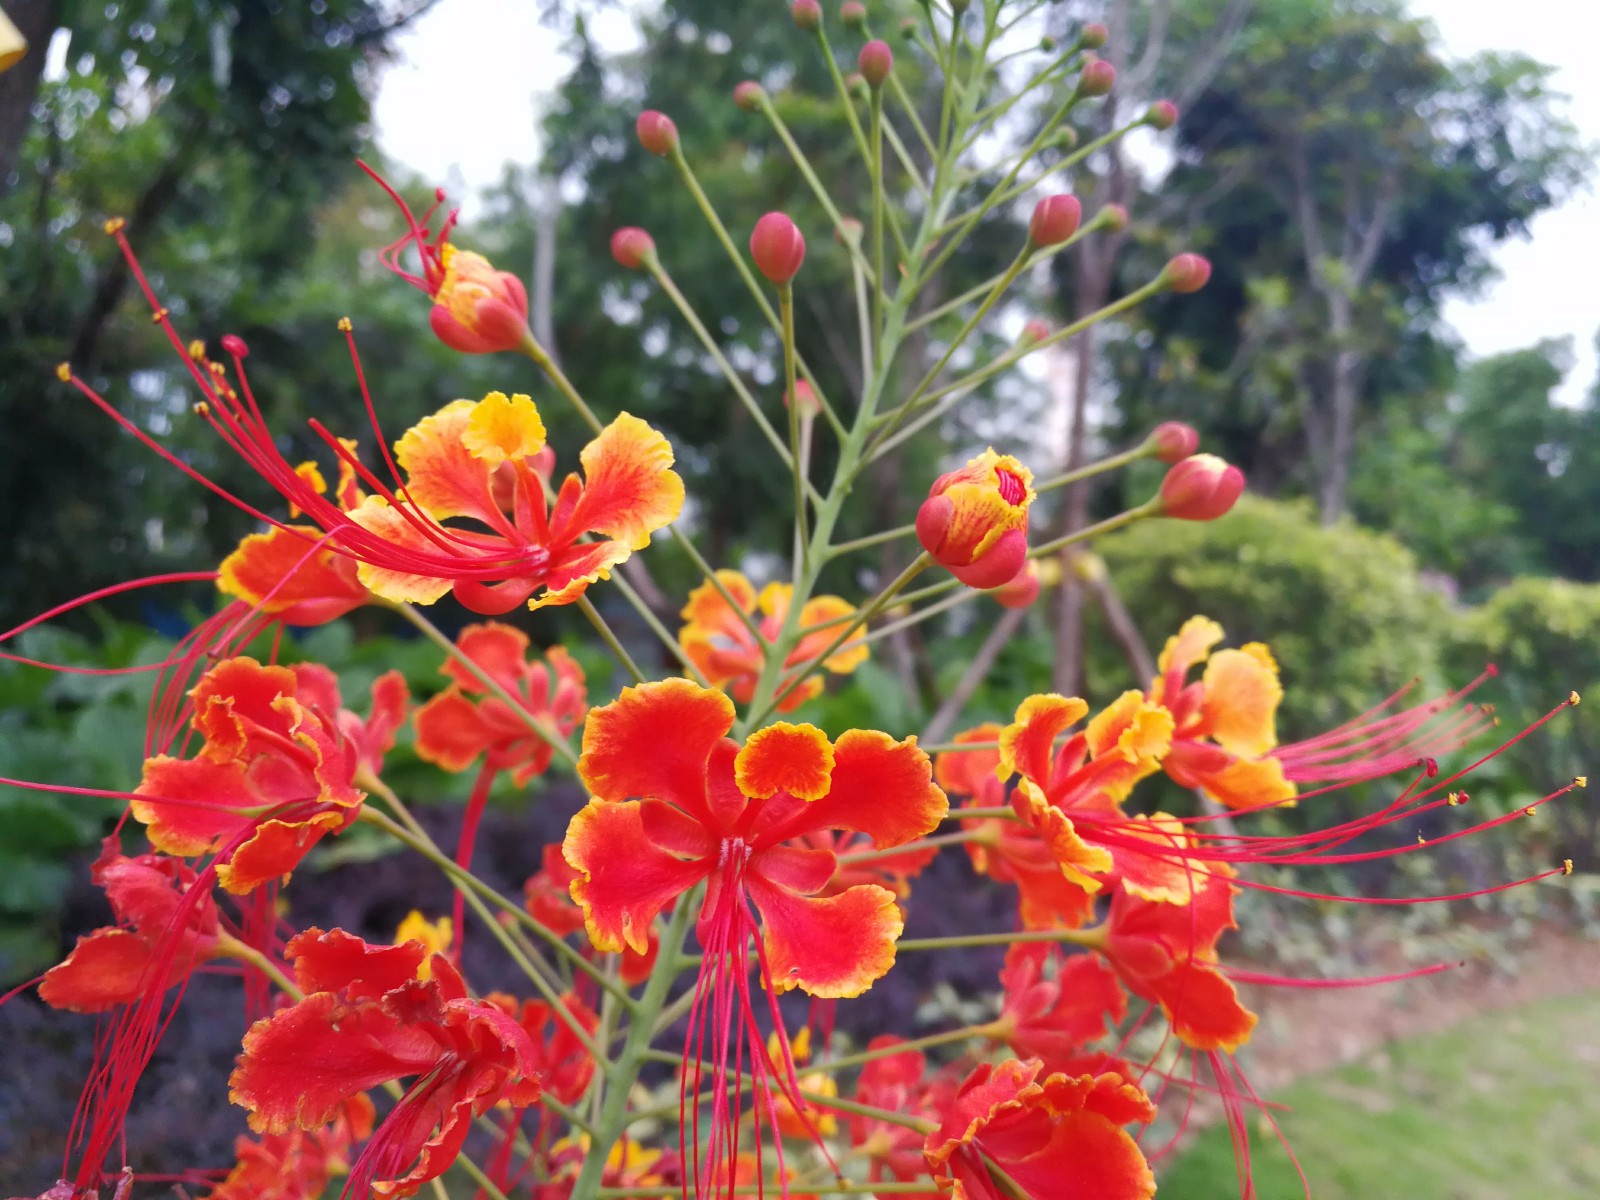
(876, 60)
(853, 13)
(810, 406)
(1097, 78)
(1163, 114)
(778, 247)
(748, 95)
(1174, 441)
(657, 133)
(975, 520)
(1200, 488)
(1034, 332)
(1113, 218)
(1055, 219)
(632, 247)
(807, 14)
(1022, 589)
(1187, 272)
(1094, 36)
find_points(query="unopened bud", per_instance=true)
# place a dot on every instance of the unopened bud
(1034, 332)
(1187, 273)
(1022, 589)
(748, 95)
(1054, 220)
(876, 60)
(1047, 44)
(1094, 36)
(777, 247)
(856, 84)
(1163, 114)
(1066, 137)
(807, 14)
(849, 231)
(1097, 78)
(1173, 441)
(1113, 218)
(1200, 488)
(853, 13)
(657, 133)
(632, 247)
(975, 520)
(810, 406)
(909, 27)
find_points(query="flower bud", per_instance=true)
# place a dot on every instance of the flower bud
(632, 247)
(1034, 332)
(1187, 272)
(778, 247)
(1047, 44)
(1022, 589)
(810, 406)
(848, 232)
(1173, 441)
(748, 95)
(657, 133)
(1055, 219)
(1200, 488)
(1097, 78)
(1065, 138)
(854, 14)
(975, 520)
(1163, 114)
(909, 27)
(855, 83)
(876, 60)
(1113, 218)
(807, 14)
(1094, 36)
(477, 309)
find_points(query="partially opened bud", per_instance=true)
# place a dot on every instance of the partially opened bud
(778, 247)
(807, 14)
(748, 95)
(1094, 36)
(1163, 114)
(853, 13)
(1187, 272)
(1174, 441)
(477, 309)
(632, 247)
(657, 133)
(1055, 219)
(1022, 589)
(1034, 332)
(806, 395)
(1200, 488)
(1097, 79)
(876, 60)
(975, 520)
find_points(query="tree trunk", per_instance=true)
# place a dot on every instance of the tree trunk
(36, 20)
(1343, 388)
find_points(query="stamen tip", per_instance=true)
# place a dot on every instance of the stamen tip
(115, 226)
(1529, 811)
(1574, 699)
(1421, 841)
(197, 350)
(1566, 866)
(64, 372)
(202, 409)
(344, 325)
(158, 316)
(1581, 781)
(1454, 799)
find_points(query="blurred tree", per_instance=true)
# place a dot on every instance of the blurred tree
(1344, 179)
(217, 130)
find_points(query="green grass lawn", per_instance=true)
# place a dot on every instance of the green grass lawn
(1502, 1107)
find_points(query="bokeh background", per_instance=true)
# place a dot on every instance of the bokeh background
(1397, 345)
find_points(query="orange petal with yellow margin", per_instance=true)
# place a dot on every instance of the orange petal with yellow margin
(274, 850)
(442, 474)
(1249, 783)
(1164, 876)
(624, 879)
(785, 758)
(283, 573)
(830, 946)
(573, 570)
(1241, 703)
(705, 605)
(106, 968)
(1203, 1007)
(375, 515)
(1079, 861)
(969, 772)
(880, 787)
(629, 488)
(1189, 645)
(187, 805)
(655, 740)
(1027, 744)
(817, 611)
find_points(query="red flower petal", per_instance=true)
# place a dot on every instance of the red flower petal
(334, 961)
(624, 879)
(785, 758)
(105, 969)
(880, 787)
(275, 849)
(830, 946)
(655, 740)
(629, 488)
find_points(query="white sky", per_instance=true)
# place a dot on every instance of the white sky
(463, 95)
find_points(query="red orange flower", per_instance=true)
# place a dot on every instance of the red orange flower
(466, 720)
(156, 919)
(975, 519)
(297, 1163)
(719, 643)
(564, 1064)
(276, 770)
(1059, 1137)
(547, 896)
(369, 1017)
(1054, 1005)
(891, 1082)
(479, 462)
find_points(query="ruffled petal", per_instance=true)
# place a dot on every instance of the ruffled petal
(573, 570)
(1241, 702)
(880, 787)
(500, 650)
(829, 946)
(106, 968)
(336, 961)
(450, 732)
(274, 849)
(630, 489)
(1026, 745)
(443, 476)
(785, 758)
(655, 740)
(970, 772)
(1203, 1007)
(1079, 860)
(375, 515)
(624, 879)
(503, 428)
(1165, 875)
(827, 610)
(189, 805)
(283, 573)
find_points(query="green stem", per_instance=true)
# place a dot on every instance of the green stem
(786, 315)
(922, 1043)
(804, 166)
(875, 147)
(1092, 938)
(609, 637)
